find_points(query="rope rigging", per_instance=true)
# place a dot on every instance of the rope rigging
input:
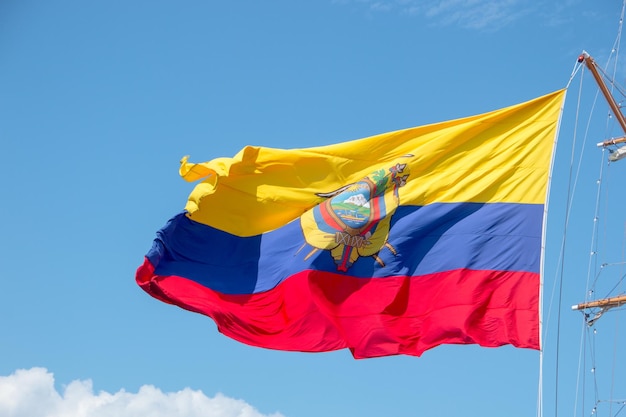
(599, 388)
(595, 366)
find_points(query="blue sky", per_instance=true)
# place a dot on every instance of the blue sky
(99, 101)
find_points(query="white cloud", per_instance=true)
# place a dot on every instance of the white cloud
(31, 393)
(471, 14)
(476, 14)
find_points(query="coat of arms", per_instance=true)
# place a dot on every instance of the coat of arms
(354, 220)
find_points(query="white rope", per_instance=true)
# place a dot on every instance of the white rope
(558, 278)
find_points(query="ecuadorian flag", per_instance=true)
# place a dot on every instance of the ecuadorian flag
(392, 244)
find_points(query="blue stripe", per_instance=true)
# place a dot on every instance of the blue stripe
(434, 238)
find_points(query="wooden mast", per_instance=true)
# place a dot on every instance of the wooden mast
(591, 64)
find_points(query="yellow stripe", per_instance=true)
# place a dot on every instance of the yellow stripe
(501, 156)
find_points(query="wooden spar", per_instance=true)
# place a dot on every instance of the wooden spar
(603, 303)
(612, 141)
(591, 64)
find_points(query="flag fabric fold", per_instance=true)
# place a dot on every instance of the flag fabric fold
(391, 244)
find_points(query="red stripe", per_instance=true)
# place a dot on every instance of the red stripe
(317, 311)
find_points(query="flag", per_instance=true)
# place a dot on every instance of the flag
(391, 244)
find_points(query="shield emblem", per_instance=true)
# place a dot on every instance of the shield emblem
(354, 220)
